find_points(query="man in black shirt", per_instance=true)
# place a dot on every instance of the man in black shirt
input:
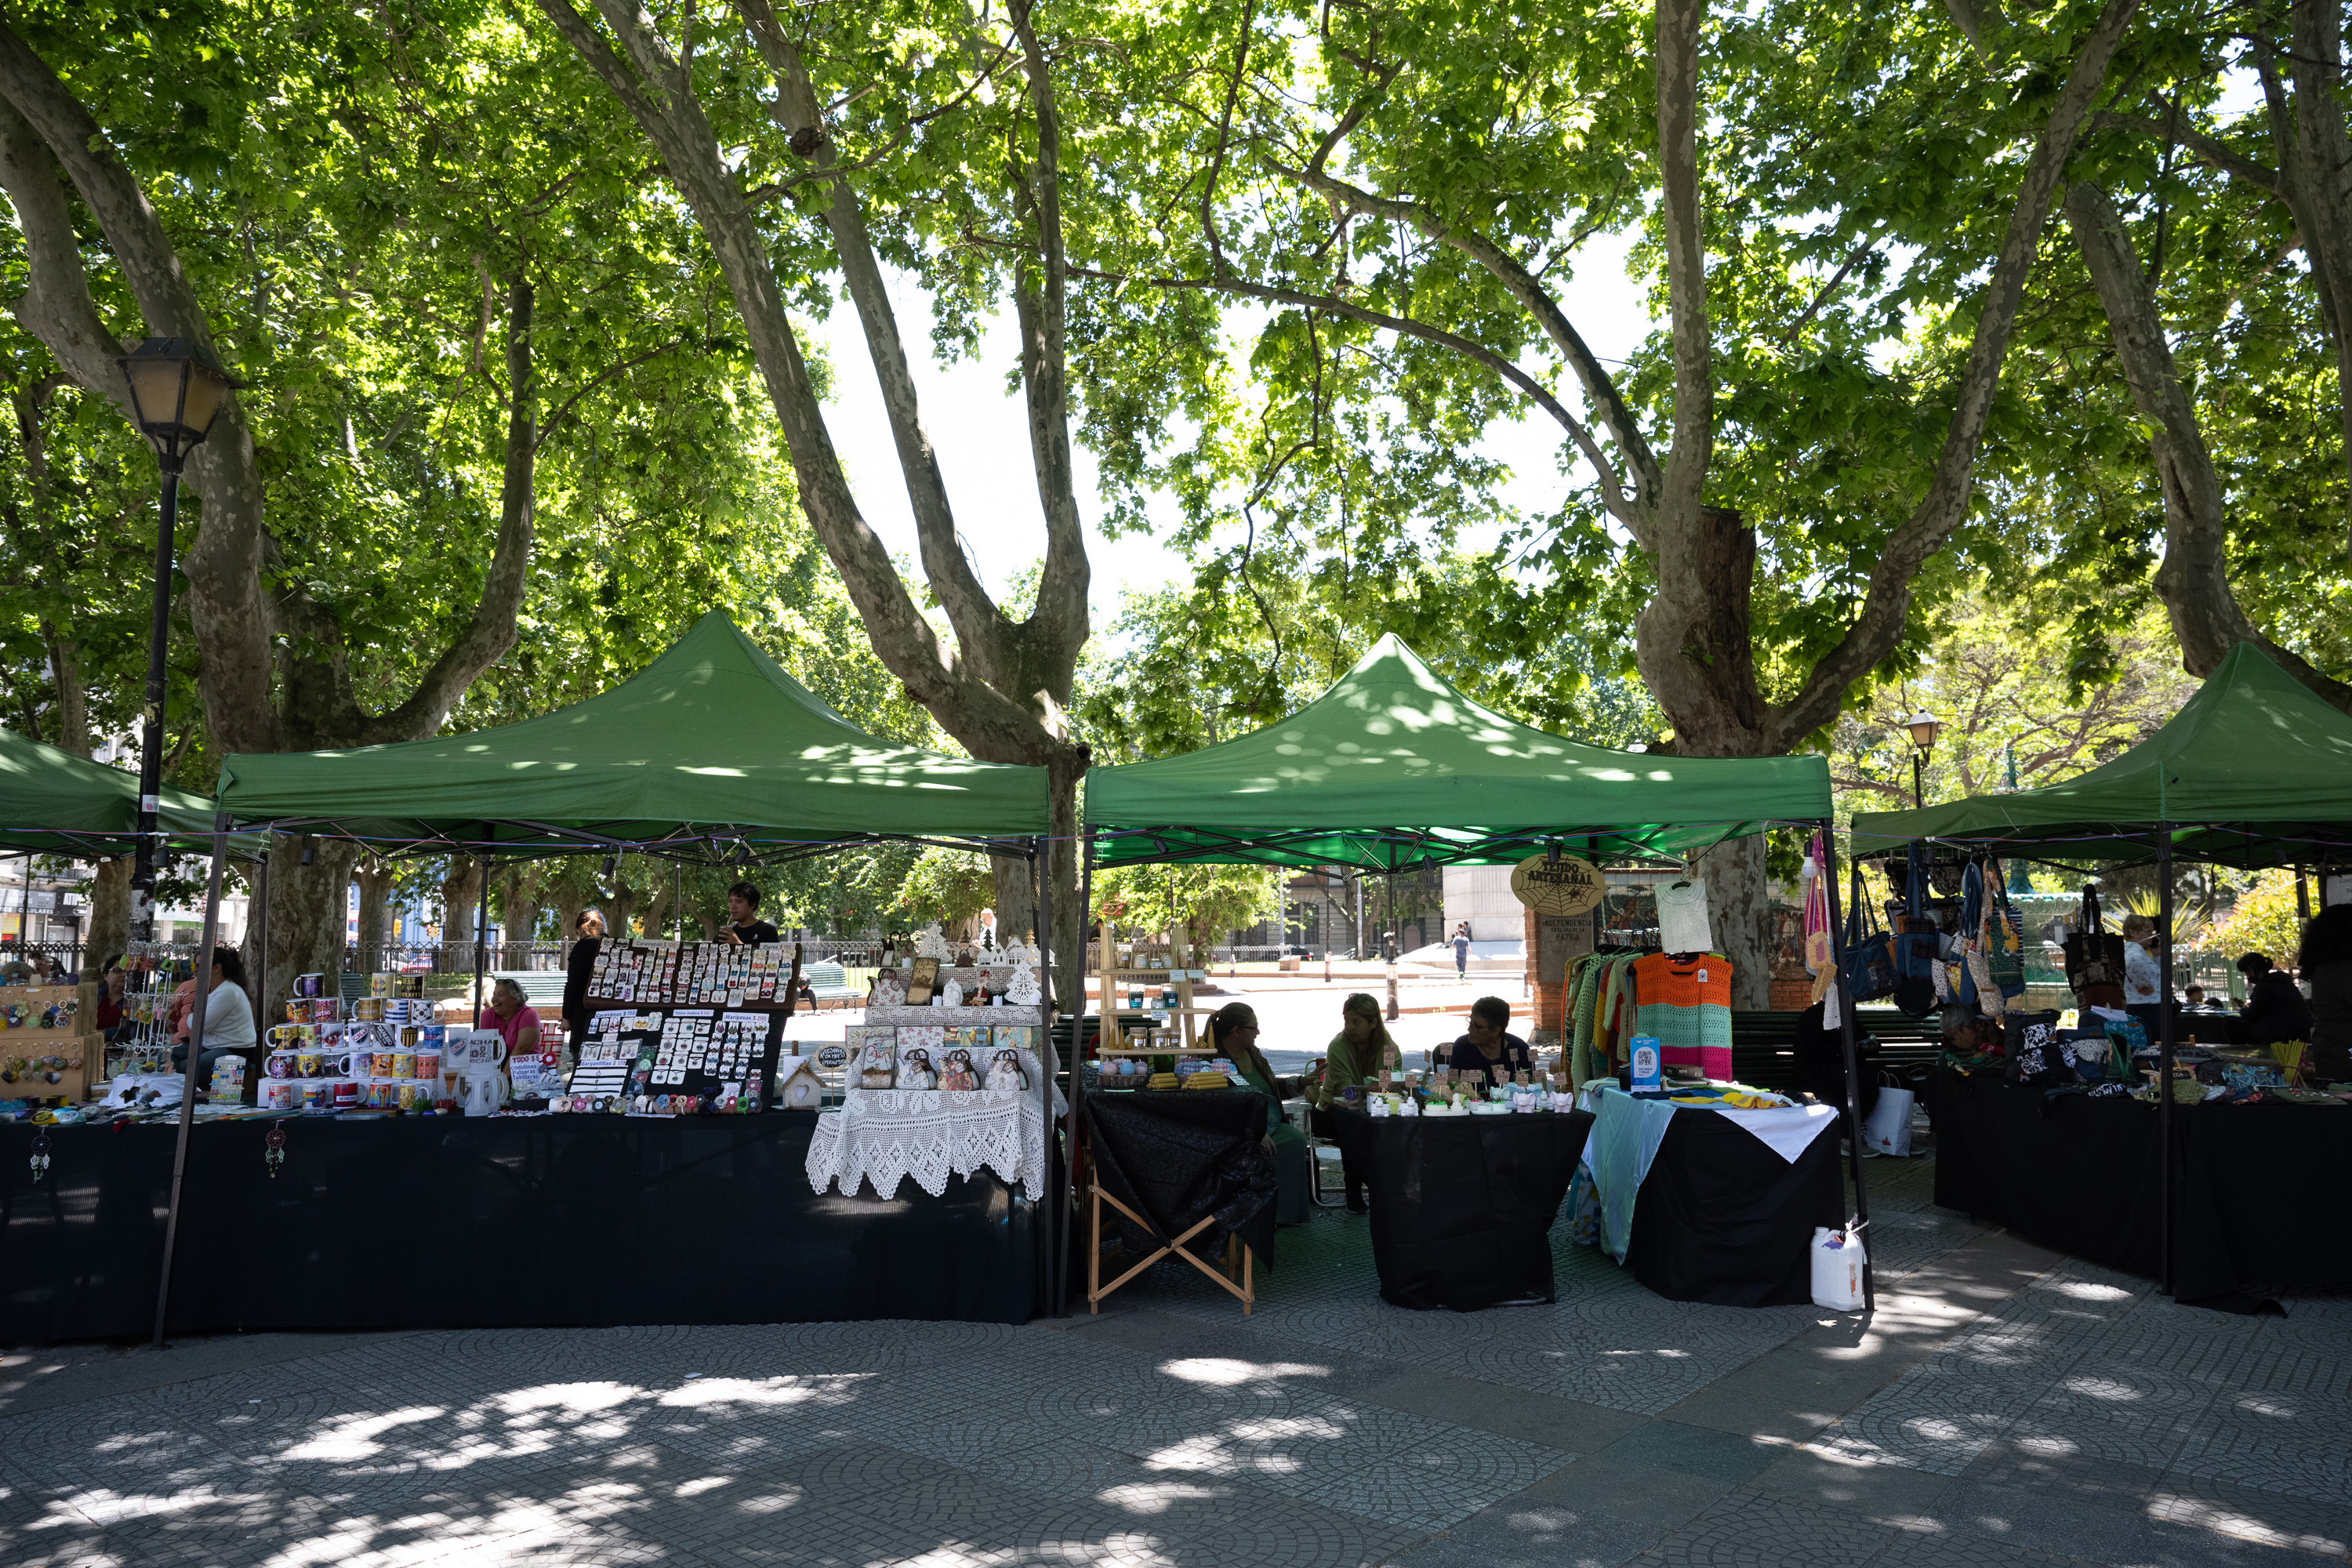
(2275, 1009)
(588, 936)
(744, 927)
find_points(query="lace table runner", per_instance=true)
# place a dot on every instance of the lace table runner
(882, 1136)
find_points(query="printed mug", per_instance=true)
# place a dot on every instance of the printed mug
(347, 1093)
(380, 1064)
(279, 1095)
(367, 1009)
(326, 1009)
(298, 1009)
(347, 1064)
(404, 1064)
(309, 1063)
(429, 1065)
(309, 984)
(285, 1036)
(280, 1063)
(315, 1094)
(382, 1095)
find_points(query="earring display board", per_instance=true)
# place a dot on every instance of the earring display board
(690, 974)
(43, 1049)
(680, 1061)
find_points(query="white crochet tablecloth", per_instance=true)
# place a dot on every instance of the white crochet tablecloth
(882, 1136)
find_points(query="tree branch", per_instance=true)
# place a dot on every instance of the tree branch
(1887, 602)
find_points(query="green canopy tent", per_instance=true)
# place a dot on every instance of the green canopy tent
(54, 802)
(1393, 767)
(710, 751)
(2255, 769)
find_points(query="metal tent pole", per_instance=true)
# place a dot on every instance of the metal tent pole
(1048, 1192)
(2164, 1115)
(195, 1056)
(260, 934)
(1078, 1056)
(1859, 1222)
(481, 938)
(1388, 945)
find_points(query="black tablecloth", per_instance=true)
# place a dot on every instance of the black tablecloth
(451, 1221)
(1722, 1218)
(1176, 1156)
(2257, 1186)
(1463, 1206)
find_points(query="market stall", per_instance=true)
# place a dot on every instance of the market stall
(2255, 769)
(1709, 1201)
(1463, 1206)
(713, 755)
(1392, 768)
(506, 1221)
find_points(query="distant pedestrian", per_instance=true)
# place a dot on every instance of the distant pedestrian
(1462, 951)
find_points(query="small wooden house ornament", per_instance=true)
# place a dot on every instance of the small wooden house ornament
(798, 1087)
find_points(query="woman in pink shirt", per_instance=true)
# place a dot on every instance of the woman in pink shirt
(516, 1020)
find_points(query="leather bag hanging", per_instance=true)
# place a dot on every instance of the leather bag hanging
(1918, 946)
(1869, 953)
(2094, 959)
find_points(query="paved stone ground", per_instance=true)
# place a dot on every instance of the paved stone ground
(2003, 1407)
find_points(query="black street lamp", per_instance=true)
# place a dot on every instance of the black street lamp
(176, 393)
(1924, 728)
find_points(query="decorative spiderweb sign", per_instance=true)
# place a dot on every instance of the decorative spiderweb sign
(1567, 886)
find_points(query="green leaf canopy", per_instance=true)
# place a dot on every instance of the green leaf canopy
(2255, 769)
(711, 741)
(1393, 767)
(54, 802)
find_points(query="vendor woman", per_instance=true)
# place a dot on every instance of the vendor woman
(1356, 1055)
(1489, 1047)
(1233, 1030)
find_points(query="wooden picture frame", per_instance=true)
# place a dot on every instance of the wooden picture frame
(920, 982)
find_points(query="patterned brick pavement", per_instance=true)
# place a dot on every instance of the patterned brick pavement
(2003, 1407)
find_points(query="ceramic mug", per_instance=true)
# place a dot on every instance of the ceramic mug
(380, 1064)
(298, 1009)
(354, 1064)
(326, 1009)
(280, 1063)
(415, 1095)
(279, 1095)
(309, 1063)
(404, 1064)
(315, 1094)
(429, 1065)
(382, 1095)
(309, 984)
(285, 1036)
(367, 1009)
(347, 1093)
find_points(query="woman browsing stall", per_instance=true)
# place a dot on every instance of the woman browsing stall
(1356, 1057)
(1233, 1031)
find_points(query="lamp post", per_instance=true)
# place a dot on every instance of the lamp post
(1924, 728)
(176, 393)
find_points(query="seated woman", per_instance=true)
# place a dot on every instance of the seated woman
(228, 1022)
(1489, 1048)
(1233, 1030)
(1355, 1057)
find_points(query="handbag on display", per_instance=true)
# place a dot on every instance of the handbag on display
(2094, 959)
(2036, 1059)
(1918, 944)
(1869, 952)
(2007, 933)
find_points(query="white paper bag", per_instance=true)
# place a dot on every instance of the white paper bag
(1888, 1128)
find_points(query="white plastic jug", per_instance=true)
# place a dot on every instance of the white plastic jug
(1838, 1262)
(484, 1091)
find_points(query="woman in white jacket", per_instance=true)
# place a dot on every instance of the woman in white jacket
(228, 1017)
